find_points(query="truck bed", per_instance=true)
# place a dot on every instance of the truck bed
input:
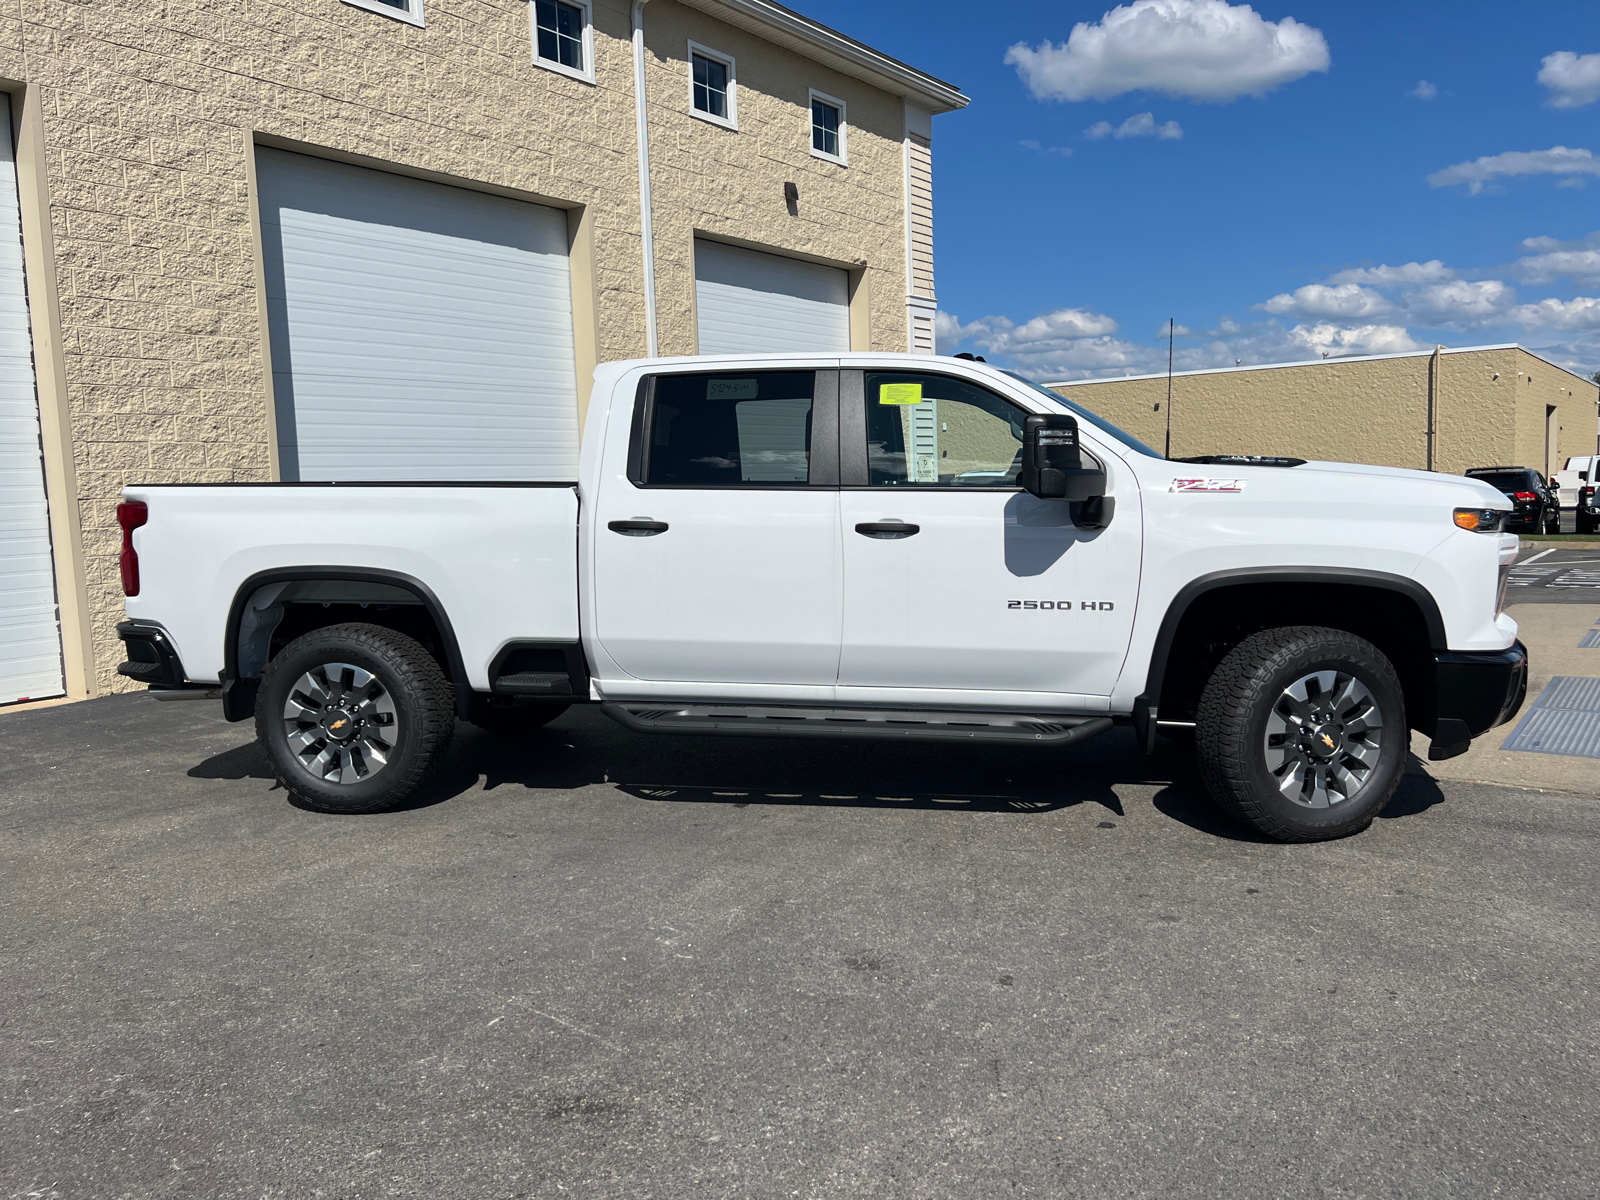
(500, 559)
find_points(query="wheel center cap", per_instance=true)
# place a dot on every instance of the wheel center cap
(1326, 740)
(338, 725)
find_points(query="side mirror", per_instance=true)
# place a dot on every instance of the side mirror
(1052, 465)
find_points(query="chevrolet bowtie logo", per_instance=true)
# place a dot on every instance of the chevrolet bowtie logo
(342, 722)
(1324, 737)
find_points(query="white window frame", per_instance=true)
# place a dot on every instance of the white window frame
(549, 64)
(843, 157)
(411, 14)
(731, 121)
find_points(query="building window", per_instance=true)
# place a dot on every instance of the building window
(712, 91)
(563, 38)
(827, 128)
(409, 11)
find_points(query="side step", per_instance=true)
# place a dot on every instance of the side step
(740, 720)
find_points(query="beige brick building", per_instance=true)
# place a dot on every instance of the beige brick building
(224, 209)
(1449, 410)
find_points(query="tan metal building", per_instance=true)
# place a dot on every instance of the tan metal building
(355, 239)
(1446, 410)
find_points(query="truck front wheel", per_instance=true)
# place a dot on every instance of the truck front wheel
(354, 717)
(1302, 733)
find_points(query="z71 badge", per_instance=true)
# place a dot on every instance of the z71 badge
(1207, 485)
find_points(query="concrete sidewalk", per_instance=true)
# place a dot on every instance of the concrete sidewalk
(1551, 632)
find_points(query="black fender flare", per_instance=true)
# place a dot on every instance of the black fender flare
(1146, 705)
(239, 695)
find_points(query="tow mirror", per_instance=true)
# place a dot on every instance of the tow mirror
(1052, 464)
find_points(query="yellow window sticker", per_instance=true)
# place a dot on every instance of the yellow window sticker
(899, 393)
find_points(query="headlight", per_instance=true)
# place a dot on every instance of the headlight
(1481, 520)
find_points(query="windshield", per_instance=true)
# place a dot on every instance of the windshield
(1100, 423)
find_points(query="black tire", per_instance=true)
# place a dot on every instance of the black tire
(1553, 525)
(416, 725)
(513, 715)
(1249, 691)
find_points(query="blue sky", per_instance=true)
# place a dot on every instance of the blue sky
(1311, 186)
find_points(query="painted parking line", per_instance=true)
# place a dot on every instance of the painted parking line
(1564, 720)
(1590, 640)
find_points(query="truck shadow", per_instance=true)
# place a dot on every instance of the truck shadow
(583, 749)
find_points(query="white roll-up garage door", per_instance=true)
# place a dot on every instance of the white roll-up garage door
(419, 331)
(30, 637)
(750, 302)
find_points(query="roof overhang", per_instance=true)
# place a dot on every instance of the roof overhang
(790, 30)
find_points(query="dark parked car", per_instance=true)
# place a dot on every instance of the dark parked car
(1535, 507)
(1588, 509)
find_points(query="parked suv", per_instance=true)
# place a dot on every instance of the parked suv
(1534, 506)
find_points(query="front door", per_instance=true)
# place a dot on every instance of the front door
(717, 561)
(959, 586)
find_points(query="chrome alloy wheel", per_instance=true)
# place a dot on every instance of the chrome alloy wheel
(1322, 740)
(340, 723)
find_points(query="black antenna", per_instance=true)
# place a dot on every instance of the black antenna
(1171, 326)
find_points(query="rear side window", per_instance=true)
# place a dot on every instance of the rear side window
(750, 429)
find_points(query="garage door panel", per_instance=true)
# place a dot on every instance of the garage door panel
(419, 331)
(750, 302)
(30, 638)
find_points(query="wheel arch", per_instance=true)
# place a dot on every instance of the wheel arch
(1399, 614)
(239, 689)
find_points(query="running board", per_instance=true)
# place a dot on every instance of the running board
(740, 720)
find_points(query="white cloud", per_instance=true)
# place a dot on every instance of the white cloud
(1578, 261)
(1432, 271)
(1329, 340)
(1424, 90)
(1197, 49)
(1346, 301)
(1558, 160)
(1458, 303)
(1581, 312)
(1138, 125)
(1572, 80)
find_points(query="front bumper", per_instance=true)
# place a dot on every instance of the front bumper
(1475, 690)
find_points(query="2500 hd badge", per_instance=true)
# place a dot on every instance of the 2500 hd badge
(1063, 605)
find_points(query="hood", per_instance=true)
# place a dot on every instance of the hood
(1469, 491)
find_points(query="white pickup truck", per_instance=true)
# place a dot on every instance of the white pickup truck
(863, 545)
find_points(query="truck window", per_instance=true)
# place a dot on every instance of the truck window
(744, 429)
(934, 430)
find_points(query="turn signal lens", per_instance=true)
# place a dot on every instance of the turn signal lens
(130, 515)
(1480, 520)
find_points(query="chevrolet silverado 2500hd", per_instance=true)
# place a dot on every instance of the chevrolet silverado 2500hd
(864, 545)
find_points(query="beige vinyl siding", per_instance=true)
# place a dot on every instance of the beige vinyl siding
(920, 154)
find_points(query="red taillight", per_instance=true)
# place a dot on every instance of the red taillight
(130, 515)
(1524, 495)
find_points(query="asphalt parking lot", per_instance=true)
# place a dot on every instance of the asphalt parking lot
(601, 964)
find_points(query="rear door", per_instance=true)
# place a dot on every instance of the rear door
(959, 586)
(716, 559)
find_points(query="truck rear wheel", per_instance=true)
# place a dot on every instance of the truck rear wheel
(354, 717)
(1302, 733)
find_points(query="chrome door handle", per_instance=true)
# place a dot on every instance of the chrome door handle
(887, 530)
(638, 527)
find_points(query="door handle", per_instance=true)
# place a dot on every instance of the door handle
(638, 527)
(887, 530)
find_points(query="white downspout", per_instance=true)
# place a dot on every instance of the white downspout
(642, 129)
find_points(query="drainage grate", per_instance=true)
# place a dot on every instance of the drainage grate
(1565, 719)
